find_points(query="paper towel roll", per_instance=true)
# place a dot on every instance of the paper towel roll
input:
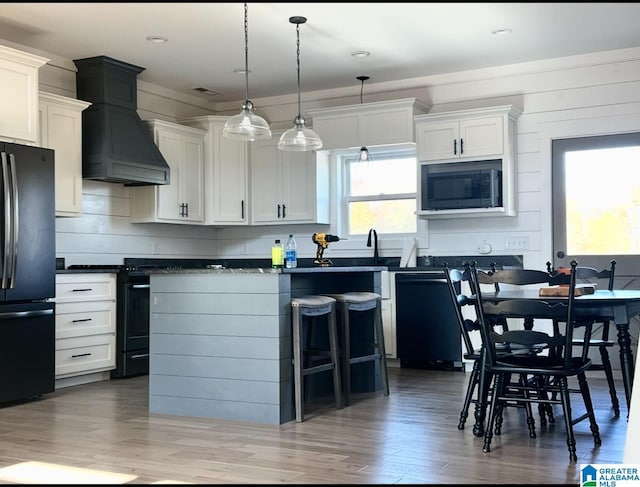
(408, 257)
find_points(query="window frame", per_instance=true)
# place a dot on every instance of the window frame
(386, 152)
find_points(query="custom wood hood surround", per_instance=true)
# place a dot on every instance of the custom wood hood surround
(117, 147)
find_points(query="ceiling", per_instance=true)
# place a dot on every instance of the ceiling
(405, 40)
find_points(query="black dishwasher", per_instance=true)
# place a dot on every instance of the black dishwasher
(428, 334)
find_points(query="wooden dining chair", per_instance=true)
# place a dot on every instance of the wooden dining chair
(552, 368)
(468, 327)
(600, 330)
(477, 390)
(505, 279)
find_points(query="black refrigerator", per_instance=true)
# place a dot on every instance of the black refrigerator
(27, 272)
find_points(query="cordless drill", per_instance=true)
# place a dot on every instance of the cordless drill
(323, 240)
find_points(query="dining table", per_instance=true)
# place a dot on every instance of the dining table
(617, 306)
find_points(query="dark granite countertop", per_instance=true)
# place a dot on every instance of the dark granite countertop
(269, 270)
(342, 264)
(86, 271)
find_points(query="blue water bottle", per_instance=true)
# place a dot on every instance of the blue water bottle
(291, 253)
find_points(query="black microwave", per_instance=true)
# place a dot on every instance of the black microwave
(456, 188)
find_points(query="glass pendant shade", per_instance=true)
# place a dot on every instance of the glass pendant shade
(246, 125)
(364, 155)
(299, 138)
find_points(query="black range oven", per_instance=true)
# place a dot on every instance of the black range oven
(132, 309)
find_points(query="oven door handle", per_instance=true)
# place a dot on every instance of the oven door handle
(140, 286)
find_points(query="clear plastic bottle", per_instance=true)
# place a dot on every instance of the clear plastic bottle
(291, 253)
(277, 255)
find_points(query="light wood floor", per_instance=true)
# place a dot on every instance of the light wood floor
(408, 437)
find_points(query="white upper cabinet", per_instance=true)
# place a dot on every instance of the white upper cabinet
(19, 95)
(181, 201)
(370, 124)
(61, 130)
(225, 173)
(483, 134)
(459, 139)
(288, 187)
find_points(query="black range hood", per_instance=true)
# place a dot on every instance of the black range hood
(116, 145)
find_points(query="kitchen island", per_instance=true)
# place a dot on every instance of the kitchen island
(220, 339)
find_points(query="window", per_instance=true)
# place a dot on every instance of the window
(596, 201)
(380, 193)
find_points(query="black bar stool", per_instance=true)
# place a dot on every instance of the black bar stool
(358, 302)
(313, 307)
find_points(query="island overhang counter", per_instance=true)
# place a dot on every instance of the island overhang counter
(220, 339)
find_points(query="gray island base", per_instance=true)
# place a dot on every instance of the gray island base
(220, 340)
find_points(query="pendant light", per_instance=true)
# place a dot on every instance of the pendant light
(246, 125)
(363, 155)
(299, 138)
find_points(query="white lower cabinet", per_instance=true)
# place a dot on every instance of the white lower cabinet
(85, 327)
(389, 313)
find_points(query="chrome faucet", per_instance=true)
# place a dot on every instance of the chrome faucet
(375, 244)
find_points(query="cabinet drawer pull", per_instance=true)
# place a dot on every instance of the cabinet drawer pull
(139, 356)
(81, 320)
(81, 355)
(82, 290)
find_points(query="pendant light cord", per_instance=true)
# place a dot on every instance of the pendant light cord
(361, 89)
(246, 51)
(298, 62)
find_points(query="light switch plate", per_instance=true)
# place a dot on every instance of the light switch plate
(516, 243)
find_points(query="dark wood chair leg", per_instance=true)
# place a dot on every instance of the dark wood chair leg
(471, 387)
(588, 404)
(495, 408)
(606, 365)
(566, 410)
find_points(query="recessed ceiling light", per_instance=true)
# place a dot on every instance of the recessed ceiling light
(157, 39)
(360, 53)
(501, 32)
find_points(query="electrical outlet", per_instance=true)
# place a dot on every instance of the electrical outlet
(244, 250)
(484, 248)
(516, 243)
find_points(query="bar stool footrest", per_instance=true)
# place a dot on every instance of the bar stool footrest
(317, 368)
(364, 358)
